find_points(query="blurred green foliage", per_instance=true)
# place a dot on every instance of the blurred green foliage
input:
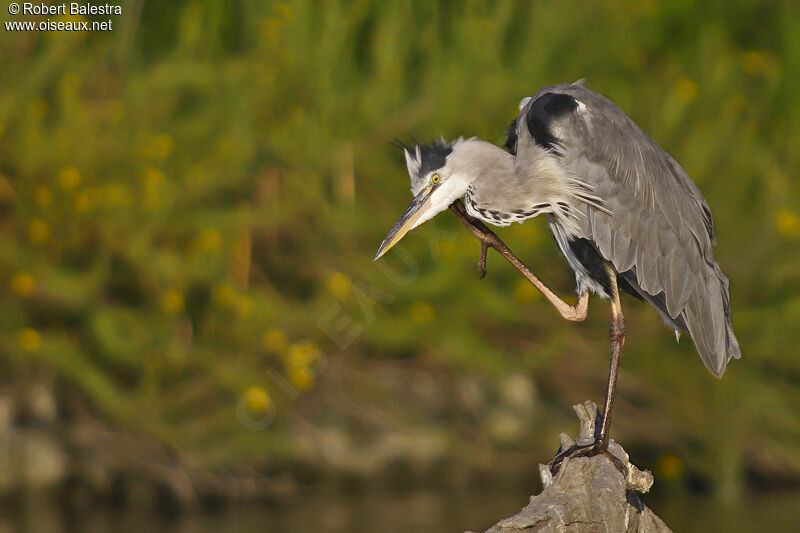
(190, 204)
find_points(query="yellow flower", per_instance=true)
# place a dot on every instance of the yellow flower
(172, 301)
(752, 62)
(787, 223)
(23, 284)
(224, 296)
(274, 341)
(686, 89)
(69, 178)
(208, 240)
(153, 176)
(38, 231)
(525, 292)
(42, 197)
(421, 312)
(302, 354)
(256, 401)
(339, 285)
(243, 306)
(301, 378)
(158, 147)
(29, 340)
(669, 466)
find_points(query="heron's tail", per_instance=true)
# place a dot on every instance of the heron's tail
(707, 316)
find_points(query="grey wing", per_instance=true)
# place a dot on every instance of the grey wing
(658, 231)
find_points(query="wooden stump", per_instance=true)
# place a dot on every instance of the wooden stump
(588, 493)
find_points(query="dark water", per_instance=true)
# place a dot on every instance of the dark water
(396, 512)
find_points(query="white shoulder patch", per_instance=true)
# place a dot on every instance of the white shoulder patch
(524, 102)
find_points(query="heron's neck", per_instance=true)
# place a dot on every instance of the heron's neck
(479, 163)
(506, 189)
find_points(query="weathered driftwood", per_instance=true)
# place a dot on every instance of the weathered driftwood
(588, 493)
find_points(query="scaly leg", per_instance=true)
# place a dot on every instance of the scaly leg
(575, 313)
(617, 341)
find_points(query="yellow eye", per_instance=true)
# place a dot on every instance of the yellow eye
(435, 179)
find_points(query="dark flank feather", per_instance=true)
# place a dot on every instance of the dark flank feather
(511, 139)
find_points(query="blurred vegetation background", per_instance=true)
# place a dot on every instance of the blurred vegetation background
(190, 204)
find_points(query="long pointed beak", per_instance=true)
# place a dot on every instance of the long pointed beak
(407, 221)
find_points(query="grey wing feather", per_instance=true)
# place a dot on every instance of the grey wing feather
(660, 235)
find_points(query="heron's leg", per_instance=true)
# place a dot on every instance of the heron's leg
(617, 342)
(489, 239)
(617, 333)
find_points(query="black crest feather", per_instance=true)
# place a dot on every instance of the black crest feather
(434, 156)
(428, 156)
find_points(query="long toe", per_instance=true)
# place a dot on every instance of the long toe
(586, 450)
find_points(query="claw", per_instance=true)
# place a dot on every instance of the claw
(482, 260)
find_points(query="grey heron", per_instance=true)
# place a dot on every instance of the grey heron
(624, 214)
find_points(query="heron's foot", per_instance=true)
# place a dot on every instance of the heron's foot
(590, 441)
(598, 447)
(482, 259)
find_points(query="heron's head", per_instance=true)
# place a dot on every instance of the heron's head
(435, 183)
(440, 173)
